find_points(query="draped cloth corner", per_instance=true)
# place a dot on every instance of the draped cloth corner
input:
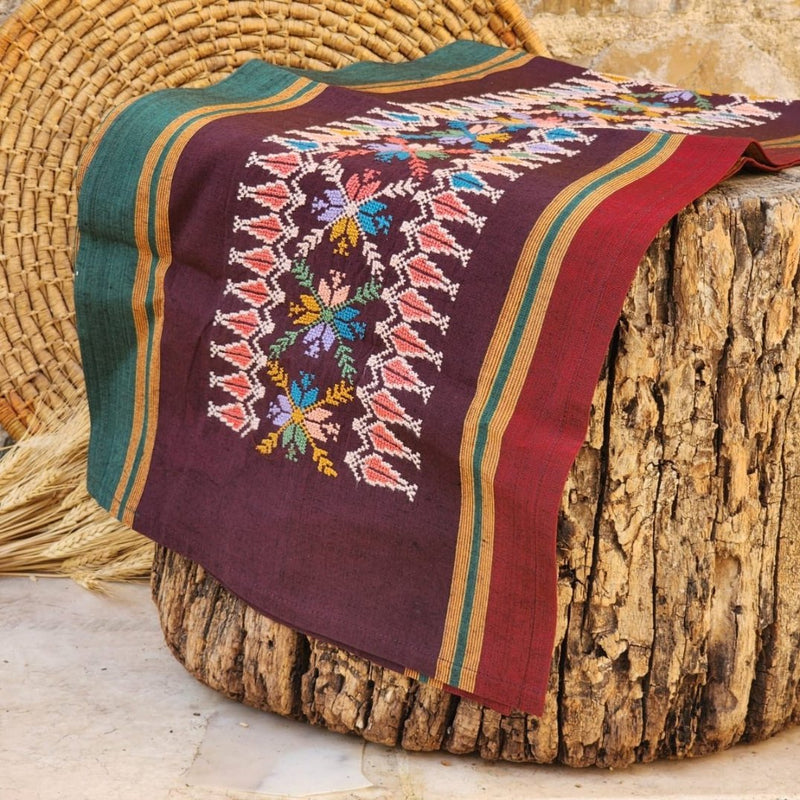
(341, 331)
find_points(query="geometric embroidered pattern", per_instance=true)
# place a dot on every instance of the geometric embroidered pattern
(341, 322)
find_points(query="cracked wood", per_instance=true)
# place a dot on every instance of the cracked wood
(679, 548)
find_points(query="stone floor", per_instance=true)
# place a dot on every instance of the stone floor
(93, 707)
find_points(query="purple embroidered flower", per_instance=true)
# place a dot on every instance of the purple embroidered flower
(332, 207)
(329, 314)
(319, 338)
(679, 96)
(353, 210)
(280, 412)
(326, 316)
(301, 417)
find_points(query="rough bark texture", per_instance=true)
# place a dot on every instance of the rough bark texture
(679, 548)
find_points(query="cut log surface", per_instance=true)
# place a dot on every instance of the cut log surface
(678, 541)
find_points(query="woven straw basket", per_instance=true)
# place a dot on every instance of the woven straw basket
(63, 64)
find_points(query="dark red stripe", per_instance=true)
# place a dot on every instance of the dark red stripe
(549, 424)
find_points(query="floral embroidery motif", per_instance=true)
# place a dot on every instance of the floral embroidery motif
(477, 136)
(406, 226)
(326, 316)
(415, 153)
(302, 418)
(598, 100)
(353, 211)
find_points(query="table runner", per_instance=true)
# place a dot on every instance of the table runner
(341, 331)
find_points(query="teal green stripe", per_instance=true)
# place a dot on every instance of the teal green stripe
(151, 287)
(105, 267)
(506, 363)
(459, 55)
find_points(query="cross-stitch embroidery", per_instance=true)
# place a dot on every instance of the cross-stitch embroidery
(326, 315)
(302, 418)
(433, 163)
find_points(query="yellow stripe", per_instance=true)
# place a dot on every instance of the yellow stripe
(786, 141)
(96, 137)
(514, 383)
(147, 395)
(499, 63)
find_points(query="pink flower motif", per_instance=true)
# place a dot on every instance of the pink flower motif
(334, 293)
(318, 427)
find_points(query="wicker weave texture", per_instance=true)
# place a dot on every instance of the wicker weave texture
(64, 64)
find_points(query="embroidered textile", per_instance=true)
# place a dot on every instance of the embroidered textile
(341, 330)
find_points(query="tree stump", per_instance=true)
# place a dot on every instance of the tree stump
(679, 549)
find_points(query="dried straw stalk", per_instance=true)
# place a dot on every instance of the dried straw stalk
(49, 525)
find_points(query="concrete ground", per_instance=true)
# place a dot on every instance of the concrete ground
(94, 707)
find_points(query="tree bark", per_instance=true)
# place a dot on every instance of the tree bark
(678, 541)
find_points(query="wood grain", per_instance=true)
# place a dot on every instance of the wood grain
(678, 540)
